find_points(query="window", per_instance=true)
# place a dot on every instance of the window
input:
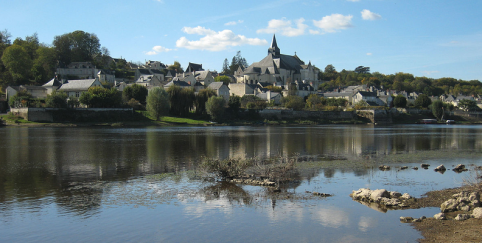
(77, 94)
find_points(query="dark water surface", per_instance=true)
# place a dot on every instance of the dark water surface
(141, 185)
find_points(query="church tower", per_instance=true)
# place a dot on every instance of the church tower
(274, 49)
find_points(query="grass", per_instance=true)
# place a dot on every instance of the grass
(145, 116)
(13, 119)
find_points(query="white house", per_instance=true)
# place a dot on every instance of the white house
(74, 88)
(221, 90)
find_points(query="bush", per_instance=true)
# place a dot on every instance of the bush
(423, 101)
(20, 100)
(57, 99)
(215, 107)
(227, 168)
(400, 101)
(135, 91)
(294, 102)
(99, 97)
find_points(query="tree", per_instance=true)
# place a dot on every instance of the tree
(17, 61)
(20, 100)
(234, 102)
(224, 79)
(422, 101)
(181, 99)
(44, 66)
(438, 109)
(225, 69)
(215, 107)
(467, 105)
(314, 102)
(400, 101)
(135, 91)
(99, 97)
(57, 99)
(158, 103)
(176, 67)
(77, 46)
(294, 102)
(362, 70)
(201, 99)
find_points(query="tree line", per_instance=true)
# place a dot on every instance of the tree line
(399, 81)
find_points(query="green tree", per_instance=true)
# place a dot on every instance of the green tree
(135, 91)
(57, 99)
(99, 97)
(294, 102)
(201, 99)
(176, 67)
(158, 103)
(22, 99)
(438, 109)
(77, 46)
(314, 102)
(181, 99)
(224, 79)
(423, 101)
(400, 101)
(44, 65)
(215, 107)
(225, 69)
(467, 105)
(234, 102)
(18, 62)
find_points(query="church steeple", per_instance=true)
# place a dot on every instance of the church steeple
(274, 48)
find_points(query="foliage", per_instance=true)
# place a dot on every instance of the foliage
(17, 61)
(201, 99)
(362, 104)
(234, 102)
(236, 62)
(181, 100)
(136, 92)
(215, 107)
(222, 78)
(136, 105)
(362, 70)
(20, 100)
(314, 102)
(57, 99)
(77, 46)
(438, 109)
(294, 102)
(423, 101)
(158, 103)
(73, 102)
(99, 97)
(468, 105)
(176, 67)
(226, 168)
(274, 88)
(400, 101)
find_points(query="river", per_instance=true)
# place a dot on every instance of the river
(108, 184)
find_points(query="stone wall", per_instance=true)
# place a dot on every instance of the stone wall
(74, 115)
(291, 114)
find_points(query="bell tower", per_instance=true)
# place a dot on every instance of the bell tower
(274, 49)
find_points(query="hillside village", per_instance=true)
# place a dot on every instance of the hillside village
(273, 78)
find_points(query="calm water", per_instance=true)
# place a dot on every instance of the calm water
(141, 185)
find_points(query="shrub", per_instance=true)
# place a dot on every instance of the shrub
(215, 107)
(158, 103)
(226, 168)
(57, 99)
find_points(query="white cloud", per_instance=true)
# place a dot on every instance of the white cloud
(334, 22)
(368, 15)
(215, 41)
(369, 54)
(314, 32)
(158, 49)
(353, 0)
(285, 27)
(234, 22)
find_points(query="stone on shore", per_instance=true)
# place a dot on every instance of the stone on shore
(440, 216)
(440, 168)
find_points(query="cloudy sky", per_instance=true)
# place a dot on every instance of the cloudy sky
(433, 38)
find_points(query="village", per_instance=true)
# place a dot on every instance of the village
(268, 81)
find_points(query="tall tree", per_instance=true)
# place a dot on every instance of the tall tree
(176, 67)
(158, 103)
(225, 69)
(17, 61)
(77, 46)
(201, 98)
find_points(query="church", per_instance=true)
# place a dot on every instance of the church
(279, 70)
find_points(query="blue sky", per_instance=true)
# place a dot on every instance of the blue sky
(433, 38)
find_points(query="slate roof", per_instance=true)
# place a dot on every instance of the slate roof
(216, 85)
(194, 67)
(77, 85)
(177, 82)
(201, 75)
(53, 82)
(367, 94)
(144, 71)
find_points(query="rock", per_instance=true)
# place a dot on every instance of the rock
(465, 208)
(425, 166)
(440, 168)
(415, 168)
(475, 204)
(363, 194)
(416, 220)
(423, 217)
(440, 216)
(379, 193)
(460, 167)
(404, 167)
(474, 196)
(449, 205)
(406, 219)
(389, 201)
(384, 167)
(477, 213)
(321, 194)
(394, 194)
(406, 196)
(461, 217)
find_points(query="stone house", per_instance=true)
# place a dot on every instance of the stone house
(74, 88)
(269, 96)
(35, 91)
(369, 97)
(221, 90)
(84, 70)
(205, 77)
(149, 72)
(241, 89)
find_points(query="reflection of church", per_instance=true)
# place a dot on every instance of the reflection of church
(279, 69)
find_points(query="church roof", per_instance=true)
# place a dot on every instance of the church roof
(53, 82)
